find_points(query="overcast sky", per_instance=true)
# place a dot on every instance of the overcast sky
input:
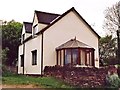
(23, 10)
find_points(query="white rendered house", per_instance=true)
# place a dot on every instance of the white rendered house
(53, 39)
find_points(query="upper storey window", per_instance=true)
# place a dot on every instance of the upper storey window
(35, 29)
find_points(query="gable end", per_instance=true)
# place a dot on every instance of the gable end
(72, 9)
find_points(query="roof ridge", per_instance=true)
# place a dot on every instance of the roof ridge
(47, 12)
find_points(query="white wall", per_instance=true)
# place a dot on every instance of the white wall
(41, 26)
(20, 69)
(35, 21)
(23, 29)
(27, 35)
(65, 29)
(33, 44)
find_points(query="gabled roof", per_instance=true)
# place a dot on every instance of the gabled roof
(56, 20)
(28, 27)
(72, 9)
(45, 17)
(73, 43)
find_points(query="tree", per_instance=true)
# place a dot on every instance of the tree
(3, 55)
(11, 32)
(107, 48)
(111, 22)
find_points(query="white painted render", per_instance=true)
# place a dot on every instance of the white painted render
(35, 20)
(62, 31)
(27, 35)
(33, 44)
(23, 30)
(20, 52)
(41, 26)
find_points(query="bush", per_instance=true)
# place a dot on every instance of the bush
(7, 71)
(113, 80)
(119, 70)
(111, 61)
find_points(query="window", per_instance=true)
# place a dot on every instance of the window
(34, 57)
(71, 56)
(35, 29)
(22, 60)
(68, 57)
(75, 56)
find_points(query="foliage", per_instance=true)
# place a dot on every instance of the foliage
(3, 55)
(11, 32)
(113, 80)
(119, 70)
(47, 82)
(111, 22)
(6, 71)
(107, 48)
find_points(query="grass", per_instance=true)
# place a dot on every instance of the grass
(43, 82)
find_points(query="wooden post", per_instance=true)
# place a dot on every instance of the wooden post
(63, 56)
(79, 56)
(85, 57)
(89, 58)
(71, 57)
(93, 61)
(60, 57)
(57, 56)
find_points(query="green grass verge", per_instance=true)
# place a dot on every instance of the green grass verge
(43, 82)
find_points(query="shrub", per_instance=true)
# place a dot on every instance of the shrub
(113, 80)
(111, 61)
(119, 70)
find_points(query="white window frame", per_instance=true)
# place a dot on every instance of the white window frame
(34, 57)
(35, 29)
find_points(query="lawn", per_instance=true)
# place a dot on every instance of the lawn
(42, 82)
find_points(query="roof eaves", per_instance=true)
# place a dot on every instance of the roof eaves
(43, 22)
